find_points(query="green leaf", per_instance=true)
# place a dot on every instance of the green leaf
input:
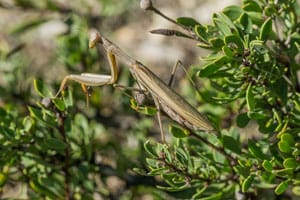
(59, 104)
(178, 132)
(146, 110)
(228, 52)
(267, 165)
(157, 171)
(250, 98)
(149, 149)
(256, 151)
(246, 22)
(3, 179)
(139, 171)
(259, 115)
(41, 189)
(173, 188)
(209, 69)
(35, 113)
(284, 147)
(247, 183)
(150, 110)
(216, 42)
(233, 12)
(182, 156)
(225, 30)
(256, 17)
(283, 172)
(296, 190)
(27, 122)
(221, 60)
(225, 25)
(152, 164)
(201, 189)
(282, 187)
(252, 6)
(288, 138)
(242, 120)
(290, 163)
(216, 196)
(55, 144)
(234, 42)
(231, 144)
(266, 30)
(201, 32)
(187, 21)
(280, 87)
(41, 89)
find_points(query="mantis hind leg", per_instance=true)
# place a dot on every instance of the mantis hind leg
(163, 138)
(178, 62)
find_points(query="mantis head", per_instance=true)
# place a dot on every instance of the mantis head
(94, 38)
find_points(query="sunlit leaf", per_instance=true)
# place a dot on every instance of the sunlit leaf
(231, 144)
(256, 151)
(282, 187)
(250, 98)
(187, 21)
(247, 183)
(178, 132)
(266, 30)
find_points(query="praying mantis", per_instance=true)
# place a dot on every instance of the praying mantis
(164, 97)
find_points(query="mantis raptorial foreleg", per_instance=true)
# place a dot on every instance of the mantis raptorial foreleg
(85, 79)
(89, 79)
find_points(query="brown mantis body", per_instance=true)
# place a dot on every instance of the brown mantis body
(165, 98)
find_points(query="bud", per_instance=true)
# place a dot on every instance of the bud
(46, 102)
(146, 4)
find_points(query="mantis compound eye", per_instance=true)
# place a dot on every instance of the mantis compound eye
(94, 38)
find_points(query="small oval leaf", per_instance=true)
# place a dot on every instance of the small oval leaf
(296, 190)
(149, 149)
(231, 144)
(281, 187)
(59, 104)
(284, 147)
(55, 144)
(178, 132)
(187, 21)
(242, 120)
(267, 165)
(41, 89)
(290, 163)
(247, 183)
(250, 98)
(266, 30)
(236, 42)
(256, 151)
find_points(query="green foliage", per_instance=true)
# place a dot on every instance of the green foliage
(57, 148)
(252, 71)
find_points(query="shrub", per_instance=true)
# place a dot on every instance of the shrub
(58, 149)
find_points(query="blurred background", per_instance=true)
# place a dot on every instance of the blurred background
(38, 26)
(47, 39)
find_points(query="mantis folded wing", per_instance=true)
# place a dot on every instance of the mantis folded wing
(165, 98)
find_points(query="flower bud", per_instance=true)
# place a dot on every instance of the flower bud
(146, 4)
